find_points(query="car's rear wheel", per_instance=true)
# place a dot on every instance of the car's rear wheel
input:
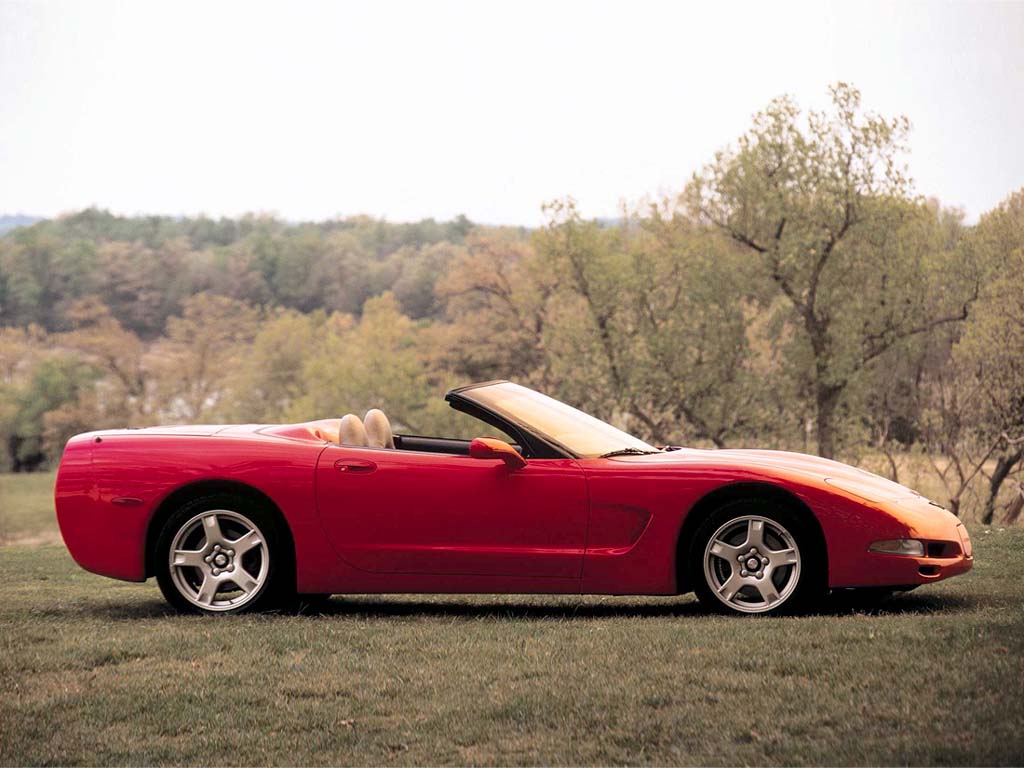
(220, 554)
(755, 557)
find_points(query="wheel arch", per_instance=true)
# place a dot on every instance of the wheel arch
(200, 488)
(724, 494)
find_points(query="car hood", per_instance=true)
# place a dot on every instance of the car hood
(842, 476)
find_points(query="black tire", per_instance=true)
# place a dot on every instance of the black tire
(708, 572)
(270, 590)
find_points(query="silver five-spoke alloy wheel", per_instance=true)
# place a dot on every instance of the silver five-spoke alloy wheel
(219, 560)
(752, 564)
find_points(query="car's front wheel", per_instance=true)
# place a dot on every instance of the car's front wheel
(755, 557)
(220, 554)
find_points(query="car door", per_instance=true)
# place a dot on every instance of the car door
(396, 511)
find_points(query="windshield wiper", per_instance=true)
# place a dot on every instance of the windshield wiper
(626, 452)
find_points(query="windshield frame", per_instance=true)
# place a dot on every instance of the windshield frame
(470, 395)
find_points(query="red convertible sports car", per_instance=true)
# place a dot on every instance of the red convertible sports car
(235, 518)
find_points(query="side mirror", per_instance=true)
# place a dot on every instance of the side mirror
(492, 448)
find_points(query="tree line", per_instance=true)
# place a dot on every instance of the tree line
(794, 294)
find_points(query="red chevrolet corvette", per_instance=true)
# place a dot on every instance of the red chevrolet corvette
(236, 518)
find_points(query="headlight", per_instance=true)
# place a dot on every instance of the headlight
(911, 547)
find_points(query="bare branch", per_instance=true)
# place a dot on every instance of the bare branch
(880, 342)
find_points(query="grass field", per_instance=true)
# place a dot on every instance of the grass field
(97, 671)
(26, 509)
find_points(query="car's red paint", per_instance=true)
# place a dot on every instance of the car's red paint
(435, 514)
(386, 520)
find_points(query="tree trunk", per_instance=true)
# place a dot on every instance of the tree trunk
(827, 399)
(954, 505)
(826, 392)
(1016, 507)
(1004, 466)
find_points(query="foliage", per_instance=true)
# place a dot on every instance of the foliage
(978, 414)
(823, 206)
(201, 348)
(654, 325)
(496, 296)
(268, 378)
(382, 361)
(145, 268)
(794, 295)
(56, 382)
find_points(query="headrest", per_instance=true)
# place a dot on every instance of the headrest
(378, 429)
(351, 431)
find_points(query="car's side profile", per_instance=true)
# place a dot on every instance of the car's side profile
(244, 517)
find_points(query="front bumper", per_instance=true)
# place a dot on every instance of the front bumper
(852, 525)
(948, 553)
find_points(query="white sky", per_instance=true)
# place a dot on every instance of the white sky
(416, 109)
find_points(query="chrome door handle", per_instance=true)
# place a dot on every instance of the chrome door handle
(355, 465)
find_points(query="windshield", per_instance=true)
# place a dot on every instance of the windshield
(581, 434)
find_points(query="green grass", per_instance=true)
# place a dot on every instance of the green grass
(26, 509)
(94, 671)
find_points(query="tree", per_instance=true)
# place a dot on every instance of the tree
(990, 355)
(40, 272)
(648, 324)
(820, 203)
(202, 347)
(384, 361)
(495, 295)
(268, 378)
(137, 287)
(102, 341)
(20, 351)
(55, 382)
(644, 322)
(419, 270)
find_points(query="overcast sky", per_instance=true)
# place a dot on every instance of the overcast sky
(409, 110)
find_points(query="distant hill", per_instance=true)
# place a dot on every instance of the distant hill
(7, 223)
